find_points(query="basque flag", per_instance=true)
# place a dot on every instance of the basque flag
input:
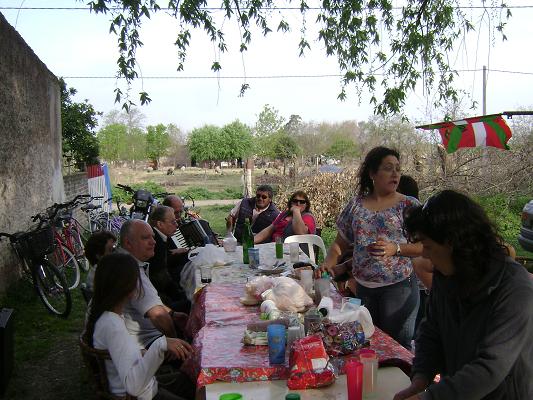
(100, 185)
(487, 130)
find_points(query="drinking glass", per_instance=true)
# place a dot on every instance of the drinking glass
(205, 274)
(294, 251)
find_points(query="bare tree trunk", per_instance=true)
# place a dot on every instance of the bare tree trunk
(248, 168)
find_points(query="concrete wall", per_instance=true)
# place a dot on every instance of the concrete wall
(76, 184)
(30, 139)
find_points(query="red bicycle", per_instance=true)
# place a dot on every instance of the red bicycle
(69, 252)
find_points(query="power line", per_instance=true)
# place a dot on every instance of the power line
(266, 8)
(274, 76)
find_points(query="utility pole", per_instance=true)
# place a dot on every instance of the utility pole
(484, 90)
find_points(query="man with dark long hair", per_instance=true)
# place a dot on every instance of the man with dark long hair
(479, 320)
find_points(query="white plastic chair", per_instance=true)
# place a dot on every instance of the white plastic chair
(311, 241)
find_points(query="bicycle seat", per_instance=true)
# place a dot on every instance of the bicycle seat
(90, 207)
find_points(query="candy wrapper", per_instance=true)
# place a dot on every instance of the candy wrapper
(340, 339)
(309, 364)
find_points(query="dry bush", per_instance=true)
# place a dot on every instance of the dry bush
(329, 193)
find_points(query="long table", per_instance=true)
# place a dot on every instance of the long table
(217, 323)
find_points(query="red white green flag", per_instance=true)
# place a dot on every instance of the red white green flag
(487, 130)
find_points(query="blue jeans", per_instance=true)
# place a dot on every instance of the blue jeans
(393, 308)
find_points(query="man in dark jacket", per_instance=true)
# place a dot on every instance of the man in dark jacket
(163, 223)
(260, 209)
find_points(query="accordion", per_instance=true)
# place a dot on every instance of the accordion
(194, 233)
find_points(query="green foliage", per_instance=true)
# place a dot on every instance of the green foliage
(124, 197)
(202, 143)
(157, 143)
(284, 147)
(78, 121)
(505, 213)
(201, 193)
(118, 143)
(211, 143)
(342, 148)
(380, 48)
(269, 122)
(235, 141)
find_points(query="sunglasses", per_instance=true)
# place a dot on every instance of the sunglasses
(298, 201)
(261, 196)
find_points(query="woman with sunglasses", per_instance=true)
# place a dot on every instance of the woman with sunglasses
(479, 322)
(116, 281)
(381, 263)
(297, 219)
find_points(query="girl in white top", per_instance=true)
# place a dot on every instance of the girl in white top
(129, 371)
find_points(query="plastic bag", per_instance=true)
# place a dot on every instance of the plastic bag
(309, 364)
(208, 255)
(340, 339)
(288, 295)
(360, 314)
(258, 285)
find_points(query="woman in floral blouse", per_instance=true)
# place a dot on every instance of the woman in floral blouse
(381, 265)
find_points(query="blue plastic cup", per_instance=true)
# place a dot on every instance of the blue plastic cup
(276, 343)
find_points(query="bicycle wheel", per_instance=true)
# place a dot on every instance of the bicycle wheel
(79, 251)
(50, 285)
(63, 259)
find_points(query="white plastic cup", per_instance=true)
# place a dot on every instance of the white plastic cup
(306, 279)
(370, 373)
(294, 252)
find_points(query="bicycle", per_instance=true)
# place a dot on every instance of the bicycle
(69, 247)
(31, 248)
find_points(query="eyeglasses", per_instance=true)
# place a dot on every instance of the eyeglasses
(172, 221)
(298, 201)
(261, 196)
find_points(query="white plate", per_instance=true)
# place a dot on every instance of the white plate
(269, 270)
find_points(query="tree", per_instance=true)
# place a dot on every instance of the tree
(112, 139)
(78, 121)
(342, 148)
(157, 143)
(178, 145)
(379, 47)
(202, 143)
(269, 122)
(284, 148)
(235, 141)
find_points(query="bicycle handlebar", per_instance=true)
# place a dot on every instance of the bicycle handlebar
(126, 188)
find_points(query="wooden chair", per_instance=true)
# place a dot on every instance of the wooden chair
(311, 241)
(95, 361)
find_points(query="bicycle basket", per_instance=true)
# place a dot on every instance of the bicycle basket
(36, 244)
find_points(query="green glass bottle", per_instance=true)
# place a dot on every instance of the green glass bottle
(247, 240)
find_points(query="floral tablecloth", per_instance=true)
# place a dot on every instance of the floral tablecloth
(217, 324)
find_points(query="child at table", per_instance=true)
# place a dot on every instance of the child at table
(116, 281)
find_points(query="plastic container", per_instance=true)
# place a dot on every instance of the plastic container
(306, 280)
(354, 380)
(322, 287)
(292, 396)
(279, 248)
(230, 396)
(311, 317)
(229, 242)
(276, 343)
(370, 372)
(253, 257)
(294, 252)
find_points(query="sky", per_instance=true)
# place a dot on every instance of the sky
(76, 44)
